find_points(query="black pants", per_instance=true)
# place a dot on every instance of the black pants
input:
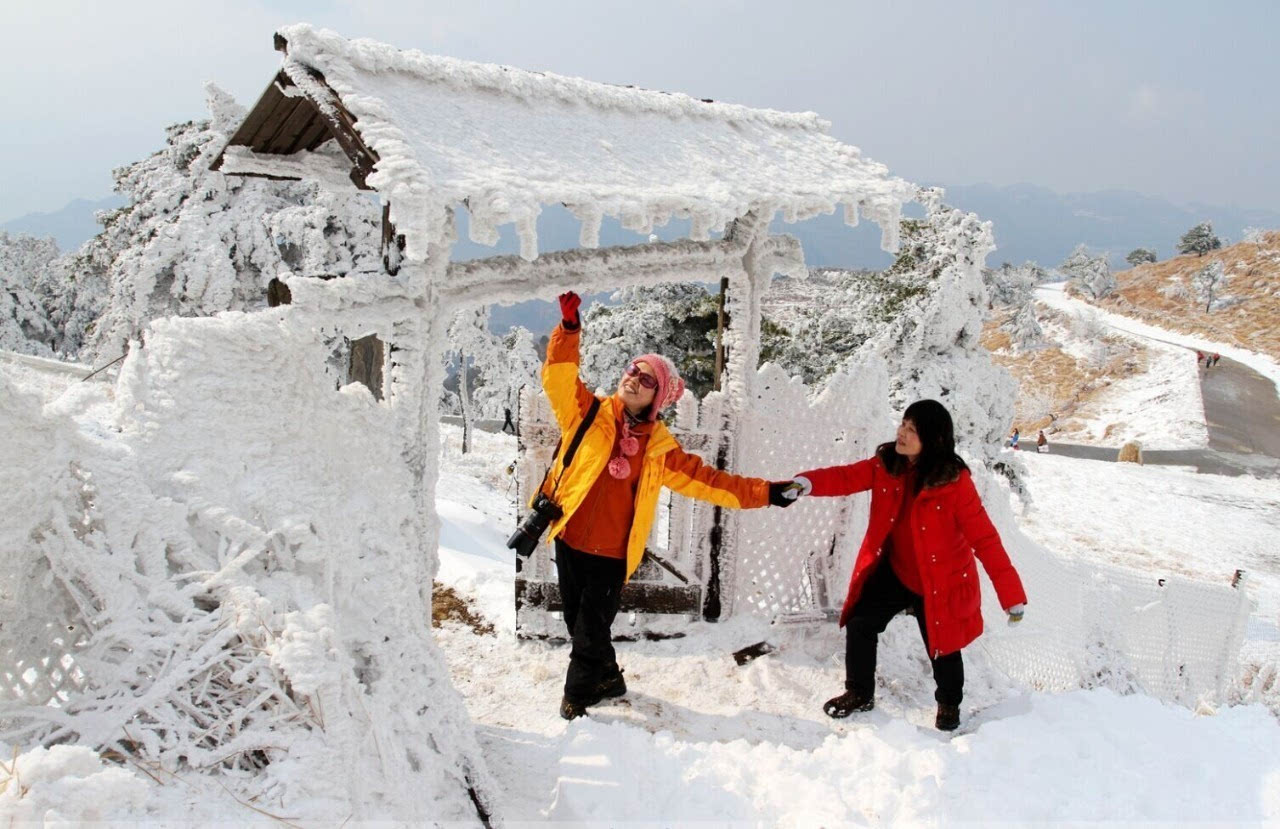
(883, 597)
(591, 589)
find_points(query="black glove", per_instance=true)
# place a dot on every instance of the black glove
(782, 493)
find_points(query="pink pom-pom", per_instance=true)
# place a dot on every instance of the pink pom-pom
(629, 445)
(619, 468)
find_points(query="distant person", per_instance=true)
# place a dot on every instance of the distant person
(1013, 439)
(926, 534)
(1216, 358)
(1200, 358)
(508, 422)
(1042, 442)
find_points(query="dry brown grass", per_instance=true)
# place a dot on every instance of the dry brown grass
(448, 606)
(1050, 380)
(1253, 273)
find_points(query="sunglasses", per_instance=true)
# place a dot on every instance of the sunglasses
(646, 380)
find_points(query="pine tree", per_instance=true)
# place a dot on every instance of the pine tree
(1199, 240)
(676, 320)
(1208, 281)
(1140, 256)
(1090, 275)
(25, 326)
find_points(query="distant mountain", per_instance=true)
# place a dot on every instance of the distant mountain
(1036, 223)
(71, 226)
(1030, 222)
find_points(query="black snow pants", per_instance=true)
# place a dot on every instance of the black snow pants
(591, 589)
(883, 597)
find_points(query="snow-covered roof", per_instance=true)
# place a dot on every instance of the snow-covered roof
(505, 141)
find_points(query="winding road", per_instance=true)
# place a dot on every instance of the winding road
(1241, 409)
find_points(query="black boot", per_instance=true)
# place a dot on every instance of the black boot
(571, 710)
(948, 717)
(848, 702)
(612, 686)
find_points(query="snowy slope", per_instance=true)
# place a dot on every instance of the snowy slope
(699, 738)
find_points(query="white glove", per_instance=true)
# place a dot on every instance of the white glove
(1015, 613)
(800, 486)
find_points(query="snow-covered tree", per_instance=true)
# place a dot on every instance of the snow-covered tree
(1199, 240)
(675, 320)
(476, 350)
(24, 321)
(1140, 256)
(932, 348)
(1012, 286)
(1209, 282)
(522, 367)
(1089, 274)
(194, 242)
(1023, 327)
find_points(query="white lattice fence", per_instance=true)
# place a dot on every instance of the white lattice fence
(1101, 625)
(793, 559)
(1087, 624)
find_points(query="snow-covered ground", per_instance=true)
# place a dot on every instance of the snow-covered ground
(1052, 295)
(1160, 407)
(700, 738)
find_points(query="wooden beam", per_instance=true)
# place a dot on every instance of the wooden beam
(637, 597)
(367, 356)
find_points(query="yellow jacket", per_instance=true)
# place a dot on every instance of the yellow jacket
(664, 464)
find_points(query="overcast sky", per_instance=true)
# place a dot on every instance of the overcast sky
(1172, 99)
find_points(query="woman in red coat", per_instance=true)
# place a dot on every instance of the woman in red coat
(927, 525)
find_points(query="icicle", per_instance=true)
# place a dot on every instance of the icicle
(789, 213)
(701, 226)
(637, 221)
(591, 217)
(481, 228)
(527, 230)
(851, 213)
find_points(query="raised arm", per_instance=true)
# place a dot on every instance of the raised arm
(569, 396)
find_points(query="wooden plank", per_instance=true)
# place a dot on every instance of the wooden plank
(315, 135)
(275, 108)
(366, 363)
(302, 117)
(637, 597)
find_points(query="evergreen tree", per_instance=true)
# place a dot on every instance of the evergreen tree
(1090, 275)
(25, 326)
(1199, 240)
(1140, 256)
(677, 321)
(1209, 281)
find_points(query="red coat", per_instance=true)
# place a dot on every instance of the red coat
(949, 527)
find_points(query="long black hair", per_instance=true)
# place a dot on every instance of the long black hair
(938, 462)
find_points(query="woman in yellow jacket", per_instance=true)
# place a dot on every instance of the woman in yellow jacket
(609, 496)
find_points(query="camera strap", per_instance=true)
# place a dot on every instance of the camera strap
(573, 447)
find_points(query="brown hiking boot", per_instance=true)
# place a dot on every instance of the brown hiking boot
(848, 702)
(571, 710)
(948, 717)
(614, 686)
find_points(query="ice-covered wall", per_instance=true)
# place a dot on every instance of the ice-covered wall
(239, 543)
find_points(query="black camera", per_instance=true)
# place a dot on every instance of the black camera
(525, 539)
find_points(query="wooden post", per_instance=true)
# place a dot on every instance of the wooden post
(365, 364)
(724, 290)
